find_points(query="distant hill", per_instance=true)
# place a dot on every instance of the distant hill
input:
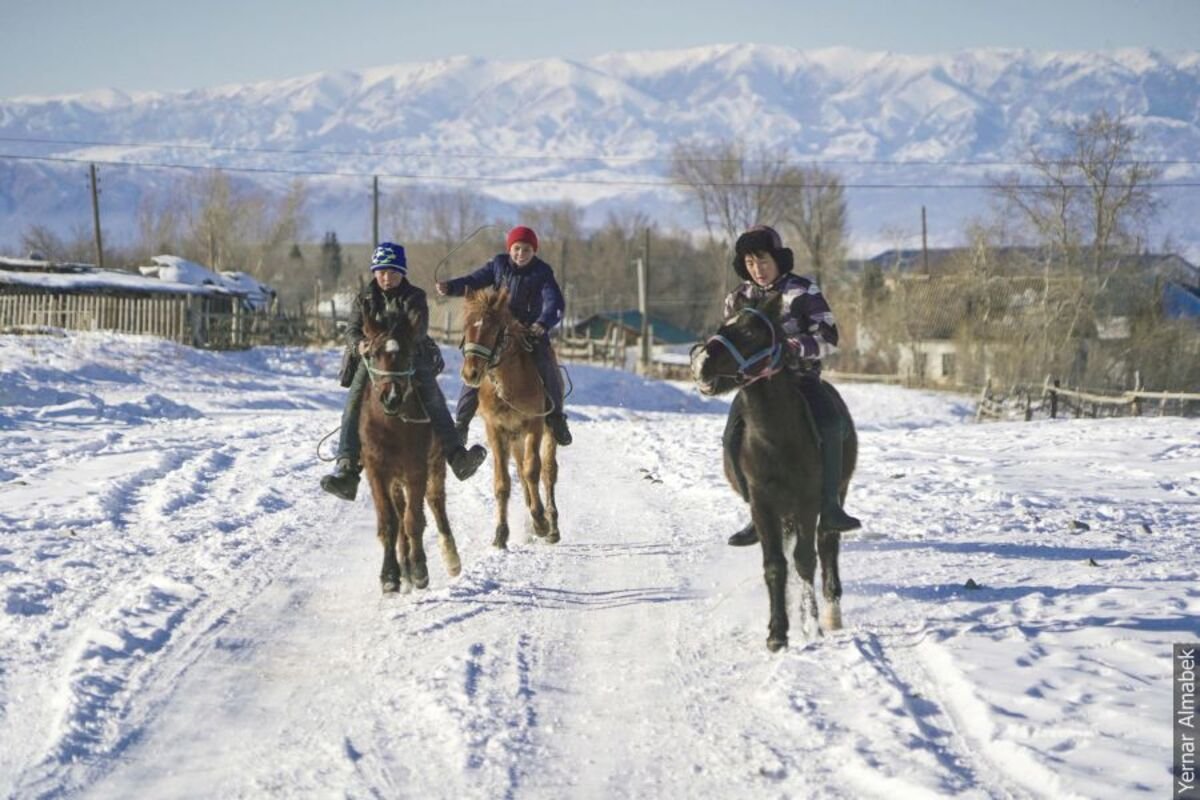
(608, 122)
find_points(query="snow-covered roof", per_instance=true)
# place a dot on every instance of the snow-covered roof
(257, 295)
(104, 280)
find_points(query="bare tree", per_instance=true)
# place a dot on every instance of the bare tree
(815, 210)
(77, 246)
(734, 188)
(451, 216)
(278, 224)
(1088, 205)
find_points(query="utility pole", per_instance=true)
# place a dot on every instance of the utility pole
(644, 300)
(96, 216)
(924, 244)
(562, 262)
(374, 212)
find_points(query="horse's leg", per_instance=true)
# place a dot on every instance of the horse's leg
(501, 483)
(805, 556)
(770, 534)
(828, 546)
(435, 498)
(529, 465)
(386, 527)
(401, 543)
(549, 481)
(414, 528)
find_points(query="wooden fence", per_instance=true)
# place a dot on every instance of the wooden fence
(216, 323)
(1053, 401)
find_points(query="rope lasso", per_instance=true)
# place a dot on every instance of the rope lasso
(437, 267)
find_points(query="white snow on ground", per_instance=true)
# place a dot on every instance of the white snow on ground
(185, 614)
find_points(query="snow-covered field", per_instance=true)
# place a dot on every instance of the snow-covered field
(185, 614)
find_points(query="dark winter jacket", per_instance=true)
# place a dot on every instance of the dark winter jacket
(533, 293)
(807, 321)
(386, 309)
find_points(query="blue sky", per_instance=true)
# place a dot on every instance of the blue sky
(57, 46)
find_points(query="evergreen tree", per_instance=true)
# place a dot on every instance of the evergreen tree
(331, 258)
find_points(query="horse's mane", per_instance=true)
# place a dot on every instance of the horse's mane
(484, 301)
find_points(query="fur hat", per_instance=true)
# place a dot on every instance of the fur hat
(761, 239)
(521, 234)
(389, 256)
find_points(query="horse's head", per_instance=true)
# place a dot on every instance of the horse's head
(747, 347)
(389, 361)
(486, 321)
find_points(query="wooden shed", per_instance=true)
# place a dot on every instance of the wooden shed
(37, 293)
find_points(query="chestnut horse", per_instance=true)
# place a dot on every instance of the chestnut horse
(780, 459)
(514, 405)
(404, 462)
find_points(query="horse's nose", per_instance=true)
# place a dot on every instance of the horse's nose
(391, 401)
(471, 374)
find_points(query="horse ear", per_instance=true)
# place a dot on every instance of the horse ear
(370, 326)
(773, 306)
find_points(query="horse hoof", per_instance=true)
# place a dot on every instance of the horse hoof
(499, 544)
(390, 587)
(775, 644)
(422, 583)
(831, 619)
(405, 586)
(552, 538)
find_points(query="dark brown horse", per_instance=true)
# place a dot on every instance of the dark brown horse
(514, 405)
(404, 462)
(780, 459)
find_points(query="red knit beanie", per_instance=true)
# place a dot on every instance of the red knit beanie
(521, 234)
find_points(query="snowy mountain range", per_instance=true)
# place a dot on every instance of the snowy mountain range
(599, 131)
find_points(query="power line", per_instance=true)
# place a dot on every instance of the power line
(665, 183)
(814, 161)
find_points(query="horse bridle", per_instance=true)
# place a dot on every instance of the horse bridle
(490, 355)
(493, 355)
(772, 354)
(384, 376)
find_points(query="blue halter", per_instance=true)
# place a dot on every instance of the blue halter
(774, 351)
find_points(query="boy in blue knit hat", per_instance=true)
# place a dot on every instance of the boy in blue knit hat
(388, 296)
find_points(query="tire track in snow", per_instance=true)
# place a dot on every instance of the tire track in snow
(136, 635)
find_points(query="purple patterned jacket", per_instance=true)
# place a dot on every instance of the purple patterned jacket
(807, 321)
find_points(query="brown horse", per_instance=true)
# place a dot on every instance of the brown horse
(514, 405)
(780, 459)
(403, 460)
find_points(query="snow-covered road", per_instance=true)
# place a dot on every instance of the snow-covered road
(187, 615)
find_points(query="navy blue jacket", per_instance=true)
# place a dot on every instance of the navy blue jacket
(533, 293)
(405, 299)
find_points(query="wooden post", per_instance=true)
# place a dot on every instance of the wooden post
(375, 211)
(924, 244)
(1054, 400)
(96, 216)
(643, 338)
